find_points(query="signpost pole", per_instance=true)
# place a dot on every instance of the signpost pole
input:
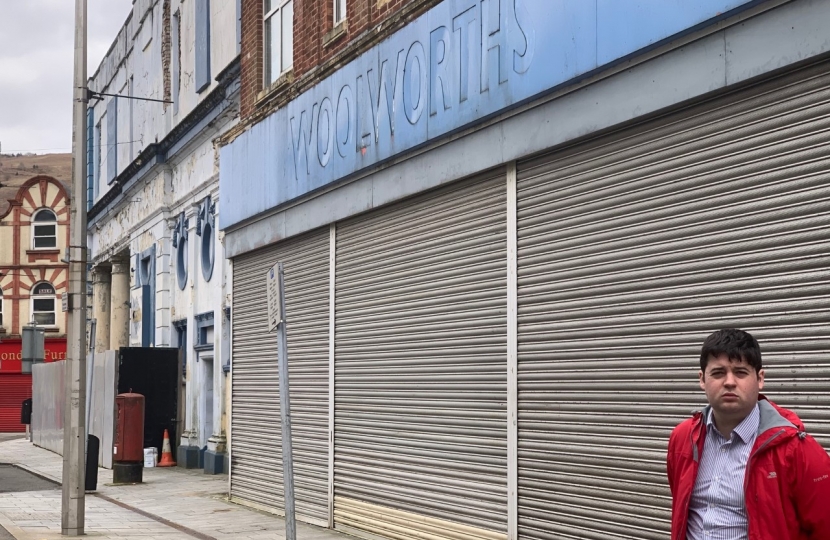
(276, 316)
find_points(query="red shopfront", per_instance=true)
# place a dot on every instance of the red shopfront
(15, 386)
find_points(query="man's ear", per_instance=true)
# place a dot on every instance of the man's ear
(702, 379)
(761, 379)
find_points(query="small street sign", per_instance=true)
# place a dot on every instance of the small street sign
(274, 300)
(276, 320)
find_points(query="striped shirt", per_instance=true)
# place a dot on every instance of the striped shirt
(717, 510)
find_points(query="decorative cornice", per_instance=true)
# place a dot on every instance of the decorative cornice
(202, 317)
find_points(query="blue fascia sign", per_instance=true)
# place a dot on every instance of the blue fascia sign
(458, 63)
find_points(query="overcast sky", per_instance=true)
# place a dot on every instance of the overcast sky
(36, 55)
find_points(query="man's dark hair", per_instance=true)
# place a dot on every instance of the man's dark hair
(736, 344)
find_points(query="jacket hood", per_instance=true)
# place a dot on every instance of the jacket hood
(786, 415)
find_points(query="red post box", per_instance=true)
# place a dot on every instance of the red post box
(128, 449)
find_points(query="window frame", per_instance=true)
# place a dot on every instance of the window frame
(33, 296)
(338, 5)
(276, 12)
(35, 223)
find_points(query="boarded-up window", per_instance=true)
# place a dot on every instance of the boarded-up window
(202, 44)
(90, 162)
(112, 140)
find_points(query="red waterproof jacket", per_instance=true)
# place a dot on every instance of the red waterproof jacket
(787, 480)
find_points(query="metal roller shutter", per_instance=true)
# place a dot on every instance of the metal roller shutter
(632, 249)
(420, 369)
(256, 456)
(14, 388)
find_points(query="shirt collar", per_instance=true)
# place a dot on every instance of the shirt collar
(746, 430)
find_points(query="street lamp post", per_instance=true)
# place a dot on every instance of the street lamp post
(74, 428)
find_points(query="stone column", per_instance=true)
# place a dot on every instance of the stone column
(101, 303)
(120, 310)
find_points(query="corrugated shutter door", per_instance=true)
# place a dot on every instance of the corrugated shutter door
(256, 454)
(420, 368)
(632, 249)
(14, 389)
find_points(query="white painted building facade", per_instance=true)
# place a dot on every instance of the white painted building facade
(165, 91)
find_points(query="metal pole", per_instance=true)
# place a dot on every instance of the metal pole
(285, 413)
(74, 429)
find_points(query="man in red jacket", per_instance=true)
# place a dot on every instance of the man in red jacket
(744, 468)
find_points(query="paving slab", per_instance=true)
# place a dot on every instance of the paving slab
(172, 503)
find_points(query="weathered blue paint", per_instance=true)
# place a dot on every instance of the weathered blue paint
(112, 140)
(90, 163)
(202, 44)
(460, 62)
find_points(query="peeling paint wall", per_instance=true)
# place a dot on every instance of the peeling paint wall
(136, 66)
(141, 218)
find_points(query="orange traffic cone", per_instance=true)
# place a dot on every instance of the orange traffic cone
(166, 453)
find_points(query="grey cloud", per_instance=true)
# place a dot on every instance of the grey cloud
(36, 56)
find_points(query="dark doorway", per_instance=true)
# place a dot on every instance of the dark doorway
(154, 373)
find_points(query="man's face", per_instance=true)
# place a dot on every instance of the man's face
(731, 387)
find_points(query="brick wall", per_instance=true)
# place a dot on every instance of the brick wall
(318, 48)
(251, 75)
(165, 50)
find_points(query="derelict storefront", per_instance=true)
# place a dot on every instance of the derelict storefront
(492, 337)
(15, 386)
(635, 246)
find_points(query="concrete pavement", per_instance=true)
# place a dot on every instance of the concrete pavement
(11, 436)
(172, 504)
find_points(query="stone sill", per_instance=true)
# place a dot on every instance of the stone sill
(276, 87)
(335, 33)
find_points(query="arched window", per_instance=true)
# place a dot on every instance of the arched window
(180, 244)
(44, 229)
(43, 304)
(208, 251)
(205, 225)
(181, 261)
